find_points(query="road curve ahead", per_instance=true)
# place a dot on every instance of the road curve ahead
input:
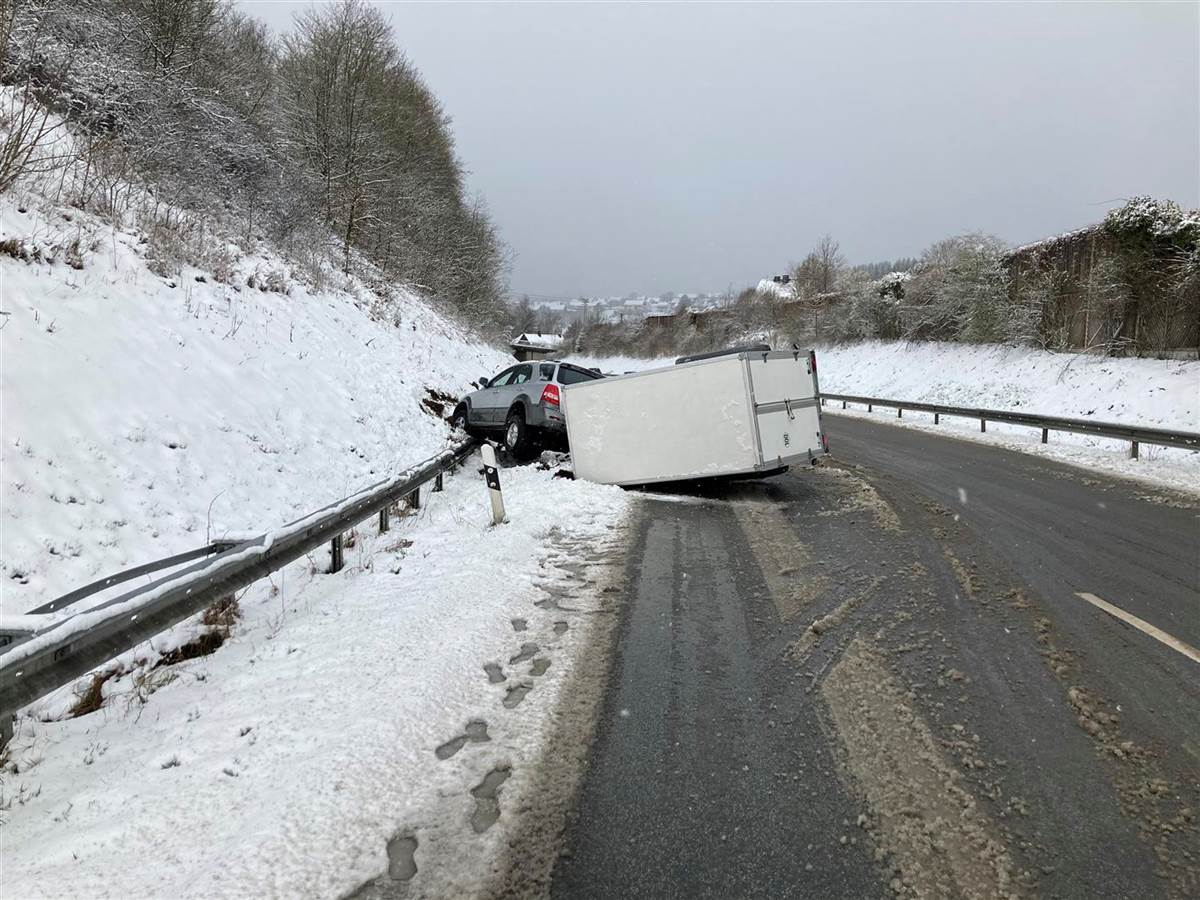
(878, 677)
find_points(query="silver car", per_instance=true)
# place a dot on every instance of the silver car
(522, 406)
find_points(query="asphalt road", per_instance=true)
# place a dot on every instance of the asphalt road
(875, 678)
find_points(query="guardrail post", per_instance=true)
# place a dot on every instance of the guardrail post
(337, 560)
(937, 417)
(843, 404)
(437, 483)
(491, 474)
(983, 424)
(414, 499)
(383, 520)
(1045, 435)
(6, 728)
(870, 407)
(899, 412)
(1133, 449)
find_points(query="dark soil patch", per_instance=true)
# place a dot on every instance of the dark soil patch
(92, 697)
(436, 403)
(207, 643)
(222, 614)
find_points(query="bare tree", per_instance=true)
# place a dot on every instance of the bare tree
(524, 318)
(818, 273)
(174, 34)
(815, 278)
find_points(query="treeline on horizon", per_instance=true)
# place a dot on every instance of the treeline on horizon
(326, 142)
(1127, 285)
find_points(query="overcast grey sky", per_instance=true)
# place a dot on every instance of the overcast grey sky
(689, 147)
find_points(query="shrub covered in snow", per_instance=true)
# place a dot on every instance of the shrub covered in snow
(1146, 222)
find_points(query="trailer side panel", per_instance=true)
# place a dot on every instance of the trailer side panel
(688, 421)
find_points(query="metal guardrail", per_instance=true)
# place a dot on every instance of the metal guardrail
(128, 575)
(1135, 434)
(71, 646)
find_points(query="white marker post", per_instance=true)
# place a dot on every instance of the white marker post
(491, 475)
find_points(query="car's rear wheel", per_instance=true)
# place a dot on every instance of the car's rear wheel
(519, 439)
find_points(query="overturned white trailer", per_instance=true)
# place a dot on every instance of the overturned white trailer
(740, 412)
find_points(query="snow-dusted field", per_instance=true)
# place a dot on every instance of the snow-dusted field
(1149, 392)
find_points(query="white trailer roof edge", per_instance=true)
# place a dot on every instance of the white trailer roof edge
(769, 354)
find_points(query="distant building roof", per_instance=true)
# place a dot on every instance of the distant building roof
(775, 287)
(546, 340)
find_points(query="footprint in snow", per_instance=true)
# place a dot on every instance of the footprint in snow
(528, 651)
(402, 861)
(516, 694)
(476, 733)
(487, 799)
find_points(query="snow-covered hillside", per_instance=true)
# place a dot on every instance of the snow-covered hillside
(324, 744)
(143, 414)
(1149, 392)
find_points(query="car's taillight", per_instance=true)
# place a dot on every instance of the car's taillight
(825, 442)
(550, 395)
(812, 359)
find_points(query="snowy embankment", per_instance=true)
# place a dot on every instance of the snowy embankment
(285, 763)
(143, 415)
(1148, 392)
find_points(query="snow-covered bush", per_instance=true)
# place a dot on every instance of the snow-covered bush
(1145, 222)
(958, 291)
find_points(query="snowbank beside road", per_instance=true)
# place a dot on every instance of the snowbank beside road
(142, 414)
(618, 365)
(285, 763)
(1149, 392)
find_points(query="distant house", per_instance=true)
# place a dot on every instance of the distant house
(779, 286)
(536, 345)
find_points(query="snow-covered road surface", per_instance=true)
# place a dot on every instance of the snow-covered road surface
(285, 763)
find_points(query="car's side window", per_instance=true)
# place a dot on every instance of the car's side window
(522, 374)
(504, 377)
(545, 371)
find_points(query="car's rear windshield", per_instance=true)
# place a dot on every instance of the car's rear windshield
(572, 375)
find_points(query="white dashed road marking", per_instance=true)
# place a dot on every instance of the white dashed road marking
(1142, 625)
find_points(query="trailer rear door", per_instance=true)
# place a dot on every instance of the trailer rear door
(783, 388)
